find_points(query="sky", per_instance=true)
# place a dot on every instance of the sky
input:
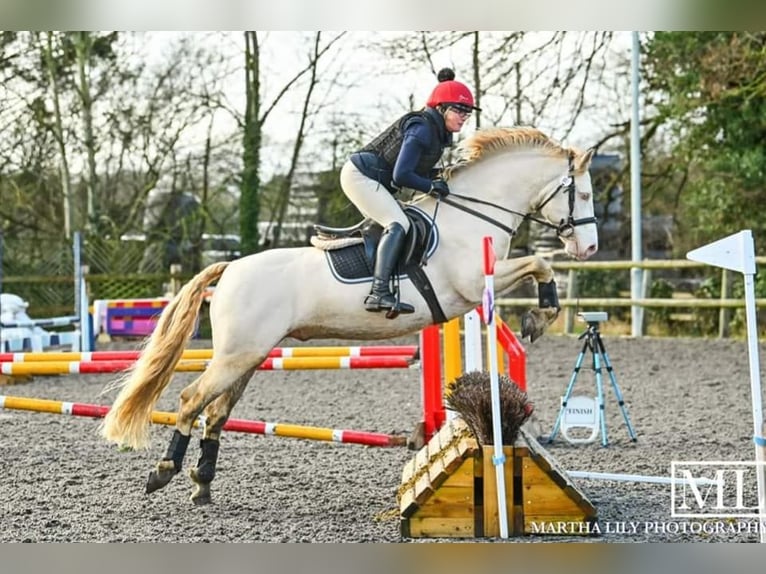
(390, 15)
(378, 88)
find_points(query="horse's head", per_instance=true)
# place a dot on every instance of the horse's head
(567, 207)
(547, 183)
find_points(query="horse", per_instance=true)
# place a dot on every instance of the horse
(259, 299)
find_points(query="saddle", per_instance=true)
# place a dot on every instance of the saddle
(351, 253)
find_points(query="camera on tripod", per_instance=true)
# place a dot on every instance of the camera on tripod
(593, 316)
(584, 412)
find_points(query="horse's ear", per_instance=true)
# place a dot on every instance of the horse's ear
(583, 160)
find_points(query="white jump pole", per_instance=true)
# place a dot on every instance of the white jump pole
(83, 343)
(472, 345)
(618, 477)
(737, 252)
(488, 304)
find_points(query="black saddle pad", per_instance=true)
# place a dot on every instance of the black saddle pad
(352, 265)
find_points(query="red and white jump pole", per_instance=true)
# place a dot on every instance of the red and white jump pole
(271, 364)
(206, 354)
(236, 425)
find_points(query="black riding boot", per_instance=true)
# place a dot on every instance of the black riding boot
(380, 297)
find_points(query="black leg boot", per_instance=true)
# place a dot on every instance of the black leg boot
(380, 297)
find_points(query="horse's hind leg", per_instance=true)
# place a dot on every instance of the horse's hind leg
(218, 377)
(171, 463)
(216, 415)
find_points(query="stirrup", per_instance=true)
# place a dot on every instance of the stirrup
(394, 311)
(375, 304)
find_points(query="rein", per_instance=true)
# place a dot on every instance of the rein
(480, 215)
(563, 229)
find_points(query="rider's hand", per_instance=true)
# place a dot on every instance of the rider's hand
(439, 189)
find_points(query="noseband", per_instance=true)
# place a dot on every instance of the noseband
(564, 229)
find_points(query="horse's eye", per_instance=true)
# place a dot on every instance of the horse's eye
(584, 196)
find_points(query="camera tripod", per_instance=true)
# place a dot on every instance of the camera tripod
(592, 341)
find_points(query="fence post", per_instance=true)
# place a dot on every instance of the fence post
(724, 313)
(175, 279)
(2, 247)
(571, 294)
(78, 272)
(646, 285)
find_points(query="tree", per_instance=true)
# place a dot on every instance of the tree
(249, 202)
(52, 70)
(88, 117)
(256, 114)
(306, 115)
(53, 81)
(88, 47)
(707, 91)
(529, 78)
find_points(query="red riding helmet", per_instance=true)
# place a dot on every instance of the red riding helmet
(450, 91)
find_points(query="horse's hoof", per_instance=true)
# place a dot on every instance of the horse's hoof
(417, 438)
(533, 325)
(201, 500)
(159, 478)
(527, 326)
(201, 495)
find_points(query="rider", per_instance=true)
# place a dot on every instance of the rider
(404, 155)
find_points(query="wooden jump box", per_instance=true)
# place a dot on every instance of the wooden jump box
(449, 490)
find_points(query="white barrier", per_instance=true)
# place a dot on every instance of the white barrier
(19, 332)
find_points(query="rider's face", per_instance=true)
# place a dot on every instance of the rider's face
(454, 118)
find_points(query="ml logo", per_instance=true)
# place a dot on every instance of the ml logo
(715, 489)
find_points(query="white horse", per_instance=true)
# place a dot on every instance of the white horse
(501, 177)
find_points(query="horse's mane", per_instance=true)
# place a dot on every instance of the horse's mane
(487, 141)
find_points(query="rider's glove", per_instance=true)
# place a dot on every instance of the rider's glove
(439, 189)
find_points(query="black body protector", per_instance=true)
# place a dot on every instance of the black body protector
(376, 160)
(388, 144)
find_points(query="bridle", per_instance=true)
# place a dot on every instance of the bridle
(564, 229)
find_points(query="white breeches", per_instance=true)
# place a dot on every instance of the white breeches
(371, 198)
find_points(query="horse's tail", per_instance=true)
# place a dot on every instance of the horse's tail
(127, 422)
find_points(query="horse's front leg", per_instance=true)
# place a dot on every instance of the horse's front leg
(216, 415)
(510, 272)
